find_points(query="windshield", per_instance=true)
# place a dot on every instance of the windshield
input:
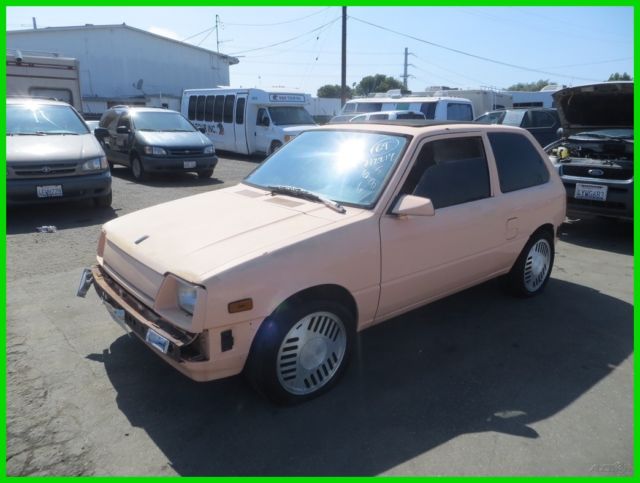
(161, 121)
(513, 118)
(289, 115)
(32, 118)
(344, 166)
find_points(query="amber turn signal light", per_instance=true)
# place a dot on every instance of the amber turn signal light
(240, 306)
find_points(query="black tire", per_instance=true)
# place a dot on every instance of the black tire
(103, 201)
(531, 271)
(288, 371)
(207, 173)
(111, 165)
(137, 168)
(275, 145)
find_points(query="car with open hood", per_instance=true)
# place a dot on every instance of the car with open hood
(594, 157)
(342, 228)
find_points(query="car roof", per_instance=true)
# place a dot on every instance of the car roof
(35, 100)
(415, 126)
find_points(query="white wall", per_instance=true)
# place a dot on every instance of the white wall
(113, 58)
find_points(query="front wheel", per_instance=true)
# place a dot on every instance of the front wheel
(103, 201)
(137, 169)
(532, 269)
(301, 351)
(207, 173)
(275, 145)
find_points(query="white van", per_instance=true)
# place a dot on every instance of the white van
(436, 108)
(247, 121)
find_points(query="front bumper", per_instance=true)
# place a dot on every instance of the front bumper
(24, 191)
(187, 352)
(158, 164)
(619, 202)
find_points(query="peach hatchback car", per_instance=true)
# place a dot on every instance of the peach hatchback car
(342, 228)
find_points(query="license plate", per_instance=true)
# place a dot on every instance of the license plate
(595, 192)
(49, 191)
(117, 315)
(157, 341)
(189, 164)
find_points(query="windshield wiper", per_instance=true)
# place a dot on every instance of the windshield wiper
(307, 195)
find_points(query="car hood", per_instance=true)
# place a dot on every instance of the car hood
(173, 139)
(195, 236)
(52, 148)
(608, 105)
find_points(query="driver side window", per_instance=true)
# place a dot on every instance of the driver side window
(450, 172)
(263, 117)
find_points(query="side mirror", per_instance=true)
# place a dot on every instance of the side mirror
(100, 132)
(202, 130)
(413, 205)
(123, 130)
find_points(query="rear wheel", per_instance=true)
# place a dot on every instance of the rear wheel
(532, 269)
(207, 173)
(137, 169)
(301, 350)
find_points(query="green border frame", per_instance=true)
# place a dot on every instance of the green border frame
(283, 3)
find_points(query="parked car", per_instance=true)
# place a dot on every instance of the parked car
(152, 140)
(595, 155)
(388, 116)
(342, 228)
(542, 122)
(52, 156)
(341, 118)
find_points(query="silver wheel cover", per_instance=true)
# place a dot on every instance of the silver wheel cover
(537, 265)
(311, 353)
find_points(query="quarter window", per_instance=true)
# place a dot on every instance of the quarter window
(519, 164)
(450, 172)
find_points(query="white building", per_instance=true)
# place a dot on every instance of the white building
(120, 64)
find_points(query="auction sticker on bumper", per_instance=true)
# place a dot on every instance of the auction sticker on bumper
(157, 341)
(189, 164)
(595, 192)
(49, 191)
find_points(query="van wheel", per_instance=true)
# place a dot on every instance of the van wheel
(137, 168)
(301, 350)
(103, 201)
(275, 145)
(531, 271)
(207, 173)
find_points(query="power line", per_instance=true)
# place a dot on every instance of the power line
(288, 40)
(479, 57)
(276, 23)
(199, 33)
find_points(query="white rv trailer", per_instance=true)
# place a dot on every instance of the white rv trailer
(247, 121)
(44, 75)
(435, 108)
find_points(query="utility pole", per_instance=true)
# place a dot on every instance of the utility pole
(405, 76)
(343, 94)
(35, 26)
(217, 40)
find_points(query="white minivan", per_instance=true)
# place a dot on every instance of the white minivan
(247, 121)
(434, 108)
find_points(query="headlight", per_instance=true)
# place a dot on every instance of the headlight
(209, 150)
(95, 164)
(187, 295)
(288, 137)
(154, 150)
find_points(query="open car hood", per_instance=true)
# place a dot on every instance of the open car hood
(608, 105)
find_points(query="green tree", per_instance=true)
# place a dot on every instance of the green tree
(333, 91)
(378, 83)
(530, 86)
(619, 77)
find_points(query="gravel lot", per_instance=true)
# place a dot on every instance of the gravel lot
(478, 383)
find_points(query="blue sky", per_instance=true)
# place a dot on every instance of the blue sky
(569, 45)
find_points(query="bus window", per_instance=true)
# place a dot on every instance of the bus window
(200, 109)
(192, 107)
(240, 111)
(208, 108)
(217, 109)
(228, 108)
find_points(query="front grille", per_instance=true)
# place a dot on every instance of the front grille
(609, 172)
(44, 170)
(186, 152)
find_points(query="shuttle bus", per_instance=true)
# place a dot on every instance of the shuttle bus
(247, 121)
